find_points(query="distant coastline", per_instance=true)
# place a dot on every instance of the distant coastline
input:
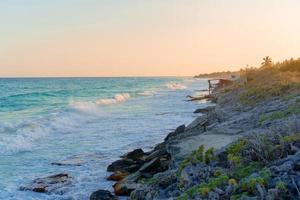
(219, 75)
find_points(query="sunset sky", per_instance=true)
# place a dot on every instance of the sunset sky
(143, 37)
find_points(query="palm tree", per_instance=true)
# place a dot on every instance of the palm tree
(267, 62)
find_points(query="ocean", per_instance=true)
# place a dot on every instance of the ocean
(95, 120)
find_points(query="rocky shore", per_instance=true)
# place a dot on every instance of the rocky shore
(232, 151)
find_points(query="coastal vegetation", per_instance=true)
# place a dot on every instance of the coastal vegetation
(224, 74)
(262, 109)
(248, 169)
(270, 81)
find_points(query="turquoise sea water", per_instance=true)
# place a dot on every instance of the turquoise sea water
(44, 120)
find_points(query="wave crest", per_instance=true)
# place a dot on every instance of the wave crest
(118, 98)
(175, 86)
(21, 136)
(85, 106)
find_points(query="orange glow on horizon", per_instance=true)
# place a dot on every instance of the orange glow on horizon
(178, 39)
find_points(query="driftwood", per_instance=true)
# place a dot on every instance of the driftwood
(205, 90)
(198, 98)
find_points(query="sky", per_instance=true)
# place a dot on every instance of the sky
(144, 37)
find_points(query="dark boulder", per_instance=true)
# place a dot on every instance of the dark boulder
(117, 176)
(156, 154)
(154, 166)
(127, 185)
(49, 184)
(178, 130)
(204, 110)
(160, 146)
(124, 188)
(124, 165)
(102, 195)
(150, 167)
(136, 154)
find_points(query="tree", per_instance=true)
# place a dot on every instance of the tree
(267, 62)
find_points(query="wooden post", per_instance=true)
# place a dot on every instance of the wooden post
(209, 86)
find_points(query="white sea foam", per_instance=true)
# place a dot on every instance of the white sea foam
(23, 135)
(147, 93)
(118, 98)
(20, 137)
(85, 107)
(175, 86)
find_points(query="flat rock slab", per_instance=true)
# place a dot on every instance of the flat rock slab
(189, 144)
(49, 184)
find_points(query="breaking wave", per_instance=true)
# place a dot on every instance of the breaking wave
(118, 98)
(175, 86)
(21, 136)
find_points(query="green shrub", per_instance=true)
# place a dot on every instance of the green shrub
(234, 151)
(204, 188)
(198, 156)
(209, 155)
(245, 170)
(248, 184)
(195, 157)
(281, 186)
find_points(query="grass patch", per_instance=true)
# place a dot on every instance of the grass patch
(242, 171)
(204, 188)
(248, 184)
(198, 156)
(265, 83)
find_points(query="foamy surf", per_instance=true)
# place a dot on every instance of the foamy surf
(147, 93)
(175, 86)
(118, 98)
(87, 107)
(21, 137)
(39, 130)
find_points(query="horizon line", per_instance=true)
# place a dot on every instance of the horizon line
(129, 76)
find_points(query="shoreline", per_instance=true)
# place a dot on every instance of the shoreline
(213, 156)
(62, 166)
(125, 171)
(171, 170)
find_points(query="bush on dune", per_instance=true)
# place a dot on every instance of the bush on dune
(289, 65)
(279, 80)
